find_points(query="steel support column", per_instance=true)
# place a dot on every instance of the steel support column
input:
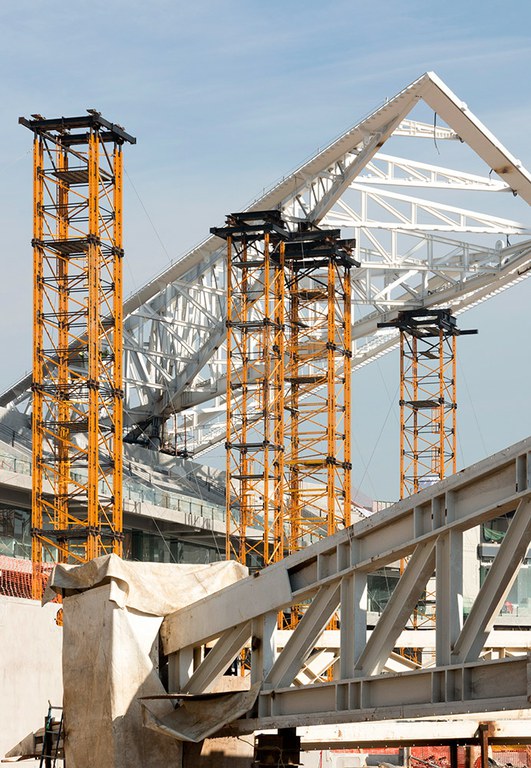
(255, 391)
(77, 361)
(428, 401)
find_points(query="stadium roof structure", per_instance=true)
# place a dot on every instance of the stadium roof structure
(417, 245)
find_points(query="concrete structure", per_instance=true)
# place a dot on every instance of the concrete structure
(30, 668)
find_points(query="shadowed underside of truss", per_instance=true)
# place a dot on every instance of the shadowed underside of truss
(427, 236)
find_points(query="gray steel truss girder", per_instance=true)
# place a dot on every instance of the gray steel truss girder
(427, 527)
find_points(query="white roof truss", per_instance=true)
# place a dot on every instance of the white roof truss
(416, 249)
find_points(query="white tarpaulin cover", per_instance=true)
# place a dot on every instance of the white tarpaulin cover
(198, 717)
(113, 610)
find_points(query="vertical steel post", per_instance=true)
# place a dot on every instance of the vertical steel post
(278, 407)
(63, 409)
(93, 327)
(117, 351)
(38, 369)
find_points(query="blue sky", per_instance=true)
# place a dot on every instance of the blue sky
(224, 98)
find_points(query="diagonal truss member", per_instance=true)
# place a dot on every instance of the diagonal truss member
(77, 361)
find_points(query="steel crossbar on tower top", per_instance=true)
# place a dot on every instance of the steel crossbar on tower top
(77, 365)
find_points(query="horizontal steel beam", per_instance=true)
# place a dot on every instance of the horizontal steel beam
(475, 687)
(504, 728)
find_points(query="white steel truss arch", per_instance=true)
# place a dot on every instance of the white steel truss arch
(414, 252)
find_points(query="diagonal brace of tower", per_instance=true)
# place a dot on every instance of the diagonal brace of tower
(77, 351)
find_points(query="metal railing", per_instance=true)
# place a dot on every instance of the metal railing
(137, 493)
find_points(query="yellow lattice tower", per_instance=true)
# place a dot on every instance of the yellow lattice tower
(318, 400)
(77, 358)
(428, 411)
(318, 456)
(255, 386)
(428, 402)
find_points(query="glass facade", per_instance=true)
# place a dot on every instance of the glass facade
(15, 541)
(380, 587)
(153, 548)
(15, 531)
(518, 602)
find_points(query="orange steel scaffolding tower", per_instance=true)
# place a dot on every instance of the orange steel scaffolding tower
(428, 411)
(288, 374)
(428, 403)
(318, 398)
(255, 386)
(77, 360)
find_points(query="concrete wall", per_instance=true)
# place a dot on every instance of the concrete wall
(30, 667)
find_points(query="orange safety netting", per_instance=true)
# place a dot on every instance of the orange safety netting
(16, 576)
(430, 756)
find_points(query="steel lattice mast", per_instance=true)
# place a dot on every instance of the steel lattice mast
(428, 399)
(255, 391)
(288, 385)
(77, 361)
(318, 402)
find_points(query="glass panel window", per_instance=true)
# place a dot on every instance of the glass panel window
(15, 531)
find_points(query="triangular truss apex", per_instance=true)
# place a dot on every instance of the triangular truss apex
(365, 138)
(414, 252)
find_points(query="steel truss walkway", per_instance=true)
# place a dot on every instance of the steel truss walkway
(428, 528)
(416, 243)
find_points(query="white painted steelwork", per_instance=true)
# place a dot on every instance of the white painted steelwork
(414, 252)
(428, 529)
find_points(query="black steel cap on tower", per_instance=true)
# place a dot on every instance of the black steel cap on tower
(64, 126)
(424, 322)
